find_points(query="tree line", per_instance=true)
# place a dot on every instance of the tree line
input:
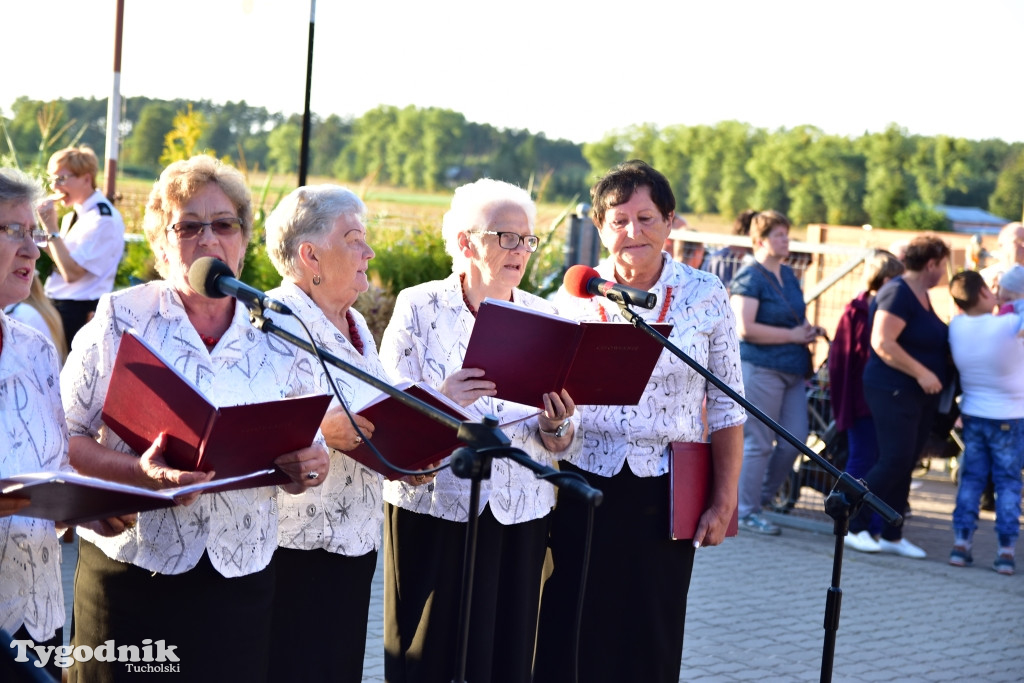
(890, 178)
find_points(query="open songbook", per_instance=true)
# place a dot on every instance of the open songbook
(148, 396)
(74, 498)
(406, 437)
(528, 353)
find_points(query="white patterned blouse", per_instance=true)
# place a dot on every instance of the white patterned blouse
(697, 305)
(426, 341)
(33, 438)
(237, 529)
(344, 514)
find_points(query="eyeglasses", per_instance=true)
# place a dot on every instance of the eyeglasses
(16, 232)
(61, 179)
(511, 240)
(222, 227)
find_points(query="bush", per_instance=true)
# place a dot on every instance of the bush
(918, 216)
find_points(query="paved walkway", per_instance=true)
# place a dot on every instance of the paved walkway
(757, 605)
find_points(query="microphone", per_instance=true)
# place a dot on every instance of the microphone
(584, 282)
(213, 278)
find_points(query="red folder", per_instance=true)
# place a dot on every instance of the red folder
(691, 477)
(528, 353)
(147, 396)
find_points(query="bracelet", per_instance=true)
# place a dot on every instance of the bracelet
(53, 236)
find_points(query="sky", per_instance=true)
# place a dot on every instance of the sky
(571, 69)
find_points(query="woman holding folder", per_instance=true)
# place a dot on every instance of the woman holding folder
(198, 576)
(635, 605)
(35, 437)
(328, 536)
(488, 231)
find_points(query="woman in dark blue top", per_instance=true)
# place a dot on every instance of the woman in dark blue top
(906, 370)
(774, 334)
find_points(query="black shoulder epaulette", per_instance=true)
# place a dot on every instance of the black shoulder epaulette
(105, 209)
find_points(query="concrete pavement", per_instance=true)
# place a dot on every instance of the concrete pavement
(757, 605)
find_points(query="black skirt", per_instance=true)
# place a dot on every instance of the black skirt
(219, 628)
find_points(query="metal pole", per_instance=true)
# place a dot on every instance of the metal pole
(304, 152)
(114, 111)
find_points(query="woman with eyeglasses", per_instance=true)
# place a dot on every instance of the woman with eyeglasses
(87, 246)
(488, 231)
(34, 435)
(197, 577)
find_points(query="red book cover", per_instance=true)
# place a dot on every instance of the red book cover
(528, 353)
(691, 476)
(147, 396)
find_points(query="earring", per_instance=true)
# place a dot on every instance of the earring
(316, 279)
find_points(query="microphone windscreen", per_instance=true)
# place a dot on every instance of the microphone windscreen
(204, 273)
(576, 279)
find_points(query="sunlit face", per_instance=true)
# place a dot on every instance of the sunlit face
(207, 204)
(495, 265)
(933, 272)
(17, 259)
(987, 299)
(1012, 244)
(635, 231)
(343, 257)
(776, 242)
(71, 188)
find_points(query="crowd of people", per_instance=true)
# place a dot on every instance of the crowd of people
(267, 571)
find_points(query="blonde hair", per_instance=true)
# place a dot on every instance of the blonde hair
(37, 299)
(79, 160)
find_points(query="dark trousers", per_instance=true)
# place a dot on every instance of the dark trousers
(634, 608)
(903, 419)
(423, 566)
(220, 627)
(27, 672)
(320, 610)
(74, 314)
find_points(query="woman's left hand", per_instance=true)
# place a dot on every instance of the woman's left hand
(307, 467)
(712, 527)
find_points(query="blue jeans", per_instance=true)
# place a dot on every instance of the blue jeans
(990, 447)
(862, 454)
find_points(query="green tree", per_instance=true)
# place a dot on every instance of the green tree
(887, 188)
(327, 139)
(442, 133)
(1008, 198)
(283, 146)
(145, 145)
(183, 139)
(938, 165)
(920, 216)
(840, 179)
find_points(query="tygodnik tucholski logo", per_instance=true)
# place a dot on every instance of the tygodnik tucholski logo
(150, 657)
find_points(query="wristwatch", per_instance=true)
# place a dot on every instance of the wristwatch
(53, 236)
(560, 431)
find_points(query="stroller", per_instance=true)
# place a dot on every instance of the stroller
(823, 438)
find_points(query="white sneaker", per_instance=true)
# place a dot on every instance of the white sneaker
(862, 542)
(903, 548)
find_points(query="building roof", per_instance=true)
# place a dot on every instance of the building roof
(972, 219)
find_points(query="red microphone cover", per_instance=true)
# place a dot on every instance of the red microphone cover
(576, 279)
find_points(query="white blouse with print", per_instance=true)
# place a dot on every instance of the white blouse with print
(33, 438)
(426, 341)
(237, 529)
(670, 409)
(344, 514)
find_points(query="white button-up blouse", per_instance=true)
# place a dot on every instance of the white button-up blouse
(426, 341)
(33, 438)
(237, 529)
(697, 305)
(344, 514)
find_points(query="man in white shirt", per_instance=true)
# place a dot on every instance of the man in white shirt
(87, 248)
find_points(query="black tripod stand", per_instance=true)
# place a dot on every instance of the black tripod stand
(484, 442)
(842, 502)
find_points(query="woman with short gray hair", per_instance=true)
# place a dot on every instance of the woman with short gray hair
(327, 537)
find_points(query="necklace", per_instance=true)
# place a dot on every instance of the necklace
(353, 332)
(662, 314)
(465, 299)
(209, 341)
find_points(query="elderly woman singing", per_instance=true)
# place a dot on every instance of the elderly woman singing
(488, 231)
(328, 536)
(197, 576)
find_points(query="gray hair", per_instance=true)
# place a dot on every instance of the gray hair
(307, 214)
(17, 187)
(471, 208)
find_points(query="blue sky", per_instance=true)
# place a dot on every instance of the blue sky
(568, 68)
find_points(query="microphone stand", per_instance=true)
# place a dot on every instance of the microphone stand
(845, 499)
(483, 440)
